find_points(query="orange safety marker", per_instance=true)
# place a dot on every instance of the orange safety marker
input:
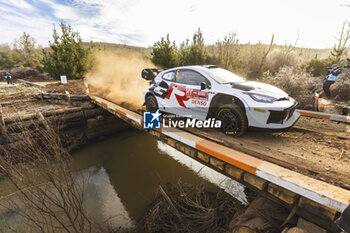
(68, 95)
(322, 104)
(317, 96)
(87, 88)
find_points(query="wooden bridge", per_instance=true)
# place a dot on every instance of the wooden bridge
(314, 200)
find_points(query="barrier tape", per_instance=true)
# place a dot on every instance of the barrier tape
(321, 192)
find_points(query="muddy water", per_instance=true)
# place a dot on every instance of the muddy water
(126, 169)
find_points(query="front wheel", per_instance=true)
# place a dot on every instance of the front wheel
(151, 103)
(233, 120)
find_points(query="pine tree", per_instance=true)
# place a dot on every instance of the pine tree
(198, 54)
(194, 54)
(340, 50)
(67, 56)
(164, 53)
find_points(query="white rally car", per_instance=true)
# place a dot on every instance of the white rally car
(203, 92)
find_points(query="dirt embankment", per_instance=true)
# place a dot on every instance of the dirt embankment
(77, 122)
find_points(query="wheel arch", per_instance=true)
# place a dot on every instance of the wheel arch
(148, 94)
(222, 99)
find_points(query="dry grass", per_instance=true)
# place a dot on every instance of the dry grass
(190, 208)
(47, 195)
(245, 59)
(299, 85)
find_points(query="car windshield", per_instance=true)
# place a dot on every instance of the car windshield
(224, 76)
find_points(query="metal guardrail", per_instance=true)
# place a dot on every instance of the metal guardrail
(323, 115)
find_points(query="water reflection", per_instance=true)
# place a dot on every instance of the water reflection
(232, 187)
(126, 169)
(136, 164)
(102, 203)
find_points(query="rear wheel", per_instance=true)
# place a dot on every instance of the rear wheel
(151, 103)
(233, 120)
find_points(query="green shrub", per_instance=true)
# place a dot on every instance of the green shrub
(9, 59)
(319, 67)
(68, 56)
(23, 52)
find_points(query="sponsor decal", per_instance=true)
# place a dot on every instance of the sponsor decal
(183, 94)
(199, 95)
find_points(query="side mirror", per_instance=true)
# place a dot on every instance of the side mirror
(203, 86)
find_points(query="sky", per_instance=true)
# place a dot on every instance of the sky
(316, 23)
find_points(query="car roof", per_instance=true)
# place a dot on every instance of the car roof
(195, 67)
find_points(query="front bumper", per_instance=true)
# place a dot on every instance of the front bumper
(273, 118)
(279, 117)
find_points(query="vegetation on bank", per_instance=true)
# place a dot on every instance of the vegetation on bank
(190, 208)
(68, 55)
(23, 52)
(298, 71)
(249, 60)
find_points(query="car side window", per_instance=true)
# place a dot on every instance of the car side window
(190, 77)
(169, 76)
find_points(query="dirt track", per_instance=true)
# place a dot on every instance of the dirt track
(314, 147)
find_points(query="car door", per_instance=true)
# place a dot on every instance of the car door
(189, 95)
(163, 91)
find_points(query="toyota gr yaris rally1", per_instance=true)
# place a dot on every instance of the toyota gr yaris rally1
(203, 92)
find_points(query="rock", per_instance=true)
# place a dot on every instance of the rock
(243, 229)
(309, 227)
(100, 118)
(254, 218)
(88, 105)
(294, 230)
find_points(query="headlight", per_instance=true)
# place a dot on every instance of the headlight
(262, 98)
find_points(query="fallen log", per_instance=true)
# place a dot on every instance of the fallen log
(61, 96)
(16, 102)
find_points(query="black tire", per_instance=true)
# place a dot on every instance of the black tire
(151, 103)
(233, 120)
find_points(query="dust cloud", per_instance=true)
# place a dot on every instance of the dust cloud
(116, 76)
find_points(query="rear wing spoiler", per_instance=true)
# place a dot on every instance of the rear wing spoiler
(150, 73)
